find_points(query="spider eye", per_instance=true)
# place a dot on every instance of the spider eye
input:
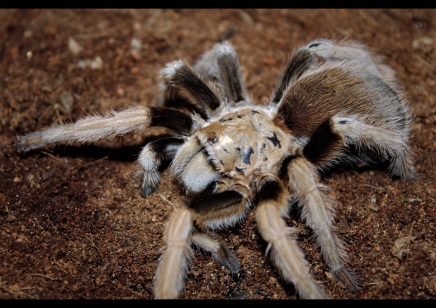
(213, 140)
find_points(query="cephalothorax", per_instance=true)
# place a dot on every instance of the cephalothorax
(335, 102)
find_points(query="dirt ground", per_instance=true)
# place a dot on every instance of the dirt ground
(72, 221)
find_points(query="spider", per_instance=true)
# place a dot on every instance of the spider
(335, 102)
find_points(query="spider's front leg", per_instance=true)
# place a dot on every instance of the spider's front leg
(176, 256)
(209, 211)
(273, 200)
(226, 206)
(150, 159)
(191, 168)
(210, 243)
(318, 212)
(93, 128)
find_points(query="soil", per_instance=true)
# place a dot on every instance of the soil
(72, 221)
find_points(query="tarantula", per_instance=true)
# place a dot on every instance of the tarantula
(335, 102)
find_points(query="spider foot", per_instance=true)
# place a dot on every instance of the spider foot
(348, 278)
(150, 182)
(228, 259)
(146, 191)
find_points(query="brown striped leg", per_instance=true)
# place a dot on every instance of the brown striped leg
(388, 144)
(178, 75)
(230, 73)
(299, 63)
(210, 243)
(150, 159)
(93, 128)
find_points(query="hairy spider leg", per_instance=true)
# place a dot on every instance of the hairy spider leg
(205, 212)
(273, 200)
(219, 209)
(93, 128)
(389, 144)
(191, 168)
(176, 256)
(210, 243)
(231, 74)
(349, 51)
(150, 159)
(178, 76)
(317, 210)
(297, 65)
(216, 80)
(331, 139)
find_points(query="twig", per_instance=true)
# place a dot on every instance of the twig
(428, 65)
(93, 35)
(167, 201)
(378, 188)
(7, 290)
(37, 223)
(56, 108)
(408, 244)
(52, 156)
(93, 162)
(54, 227)
(19, 292)
(101, 255)
(41, 275)
(55, 262)
(34, 102)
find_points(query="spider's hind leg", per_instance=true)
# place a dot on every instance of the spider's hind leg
(328, 50)
(388, 144)
(216, 75)
(353, 51)
(299, 63)
(318, 212)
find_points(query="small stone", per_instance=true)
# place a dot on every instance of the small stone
(66, 99)
(423, 43)
(74, 47)
(136, 44)
(97, 63)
